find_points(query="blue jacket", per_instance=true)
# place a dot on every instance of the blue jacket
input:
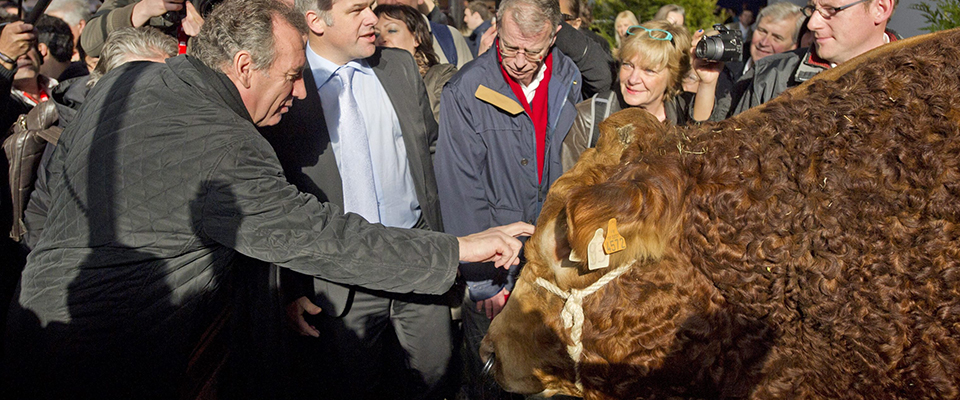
(486, 160)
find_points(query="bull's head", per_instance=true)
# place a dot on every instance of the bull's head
(538, 339)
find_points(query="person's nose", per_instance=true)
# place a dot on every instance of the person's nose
(764, 40)
(299, 89)
(816, 21)
(520, 61)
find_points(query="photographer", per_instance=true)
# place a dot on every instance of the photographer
(16, 39)
(166, 15)
(777, 31)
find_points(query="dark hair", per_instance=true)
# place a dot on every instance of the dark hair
(56, 35)
(415, 23)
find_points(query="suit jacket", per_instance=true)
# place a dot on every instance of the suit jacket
(303, 145)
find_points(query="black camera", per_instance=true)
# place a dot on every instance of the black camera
(724, 46)
(203, 7)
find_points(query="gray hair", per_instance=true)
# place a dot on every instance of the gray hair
(321, 7)
(243, 25)
(781, 11)
(130, 44)
(71, 11)
(667, 9)
(532, 16)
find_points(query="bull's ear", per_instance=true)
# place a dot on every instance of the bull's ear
(563, 250)
(644, 199)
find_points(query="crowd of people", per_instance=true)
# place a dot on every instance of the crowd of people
(321, 198)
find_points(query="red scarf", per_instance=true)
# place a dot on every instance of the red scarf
(537, 110)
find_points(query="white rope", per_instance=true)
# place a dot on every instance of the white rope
(572, 312)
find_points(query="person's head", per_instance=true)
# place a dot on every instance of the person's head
(654, 59)
(671, 12)
(403, 27)
(846, 29)
(570, 10)
(28, 67)
(132, 44)
(475, 14)
(586, 14)
(74, 12)
(55, 44)
(340, 30)
(526, 30)
(624, 20)
(8, 8)
(746, 17)
(778, 29)
(412, 3)
(259, 45)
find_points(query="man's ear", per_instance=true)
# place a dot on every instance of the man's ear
(242, 68)
(883, 11)
(315, 22)
(43, 50)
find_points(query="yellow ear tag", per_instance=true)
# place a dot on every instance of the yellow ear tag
(614, 242)
(596, 259)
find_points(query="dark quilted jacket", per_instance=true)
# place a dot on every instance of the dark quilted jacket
(155, 188)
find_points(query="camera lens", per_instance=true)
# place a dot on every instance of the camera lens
(710, 48)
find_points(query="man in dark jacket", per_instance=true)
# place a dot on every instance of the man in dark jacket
(477, 18)
(502, 122)
(158, 186)
(349, 346)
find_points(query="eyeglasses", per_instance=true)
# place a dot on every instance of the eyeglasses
(827, 12)
(635, 29)
(511, 53)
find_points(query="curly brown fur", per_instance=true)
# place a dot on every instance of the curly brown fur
(805, 249)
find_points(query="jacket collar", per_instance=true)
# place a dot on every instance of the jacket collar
(220, 85)
(495, 91)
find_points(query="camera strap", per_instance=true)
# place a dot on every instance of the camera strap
(181, 39)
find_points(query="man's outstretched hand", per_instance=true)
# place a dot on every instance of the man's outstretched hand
(498, 244)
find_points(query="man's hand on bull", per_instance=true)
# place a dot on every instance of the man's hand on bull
(295, 317)
(498, 244)
(494, 305)
(16, 39)
(146, 9)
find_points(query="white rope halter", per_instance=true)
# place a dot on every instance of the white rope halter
(572, 312)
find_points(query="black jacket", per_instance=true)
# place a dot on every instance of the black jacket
(155, 188)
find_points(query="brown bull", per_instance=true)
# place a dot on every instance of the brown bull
(805, 249)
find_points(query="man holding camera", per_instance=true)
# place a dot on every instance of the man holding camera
(166, 15)
(16, 40)
(843, 31)
(777, 31)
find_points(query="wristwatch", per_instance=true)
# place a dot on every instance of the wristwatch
(5, 58)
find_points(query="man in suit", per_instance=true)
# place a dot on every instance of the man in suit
(372, 100)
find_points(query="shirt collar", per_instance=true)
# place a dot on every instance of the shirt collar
(323, 69)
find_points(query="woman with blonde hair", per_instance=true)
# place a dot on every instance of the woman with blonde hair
(653, 59)
(624, 20)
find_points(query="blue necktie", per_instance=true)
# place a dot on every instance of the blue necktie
(359, 190)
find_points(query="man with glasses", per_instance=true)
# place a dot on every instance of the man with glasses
(503, 118)
(843, 31)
